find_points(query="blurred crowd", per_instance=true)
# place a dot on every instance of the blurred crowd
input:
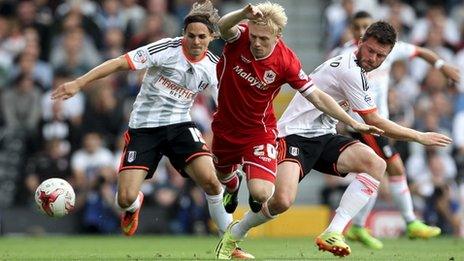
(46, 43)
(420, 97)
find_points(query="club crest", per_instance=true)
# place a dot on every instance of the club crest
(131, 156)
(294, 151)
(269, 76)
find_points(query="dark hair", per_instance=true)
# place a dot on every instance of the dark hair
(204, 19)
(382, 31)
(360, 15)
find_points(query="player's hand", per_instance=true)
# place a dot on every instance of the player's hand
(367, 129)
(451, 72)
(66, 91)
(252, 12)
(434, 139)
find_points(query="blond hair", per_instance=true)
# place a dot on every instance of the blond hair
(274, 17)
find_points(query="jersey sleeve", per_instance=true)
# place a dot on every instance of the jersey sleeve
(356, 88)
(403, 50)
(242, 28)
(150, 55)
(297, 78)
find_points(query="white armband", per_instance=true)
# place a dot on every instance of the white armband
(439, 64)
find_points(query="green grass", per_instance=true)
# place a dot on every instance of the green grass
(201, 248)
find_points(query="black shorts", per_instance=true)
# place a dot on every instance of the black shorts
(379, 144)
(144, 147)
(319, 153)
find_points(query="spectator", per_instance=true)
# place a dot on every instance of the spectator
(21, 105)
(442, 205)
(103, 114)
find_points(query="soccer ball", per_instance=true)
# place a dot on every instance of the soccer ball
(55, 197)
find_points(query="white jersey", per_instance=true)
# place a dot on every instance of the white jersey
(341, 78)
(170, 83)
(379, 78)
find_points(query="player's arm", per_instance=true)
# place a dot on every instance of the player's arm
(328, 105)
(69, 89)
(228, 23)
(433, 59)
(399, 132)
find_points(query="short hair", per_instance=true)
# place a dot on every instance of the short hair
(273, 16)
(203, 13)
(382, 31)
(360, 15)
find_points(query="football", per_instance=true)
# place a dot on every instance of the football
(55, 197)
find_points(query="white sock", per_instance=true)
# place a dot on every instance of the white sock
(251, 220)
(402, 197)
(217, 212)
(132, 208)
(355, 197)
(361, 217)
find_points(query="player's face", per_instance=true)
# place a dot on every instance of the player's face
(371, 53)
(262, 40)
(359, 27)
(197, 38)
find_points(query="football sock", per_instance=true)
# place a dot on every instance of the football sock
(402, 197)
(217, 212)
(231, 182)
(251, 220)
(132, 208)
(355, 197)
(361, 217)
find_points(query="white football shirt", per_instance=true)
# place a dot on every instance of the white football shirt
(341, 78)
(170, 83)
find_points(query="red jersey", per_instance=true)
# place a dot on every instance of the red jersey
(247, 86)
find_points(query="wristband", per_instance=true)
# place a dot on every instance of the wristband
(439, 64)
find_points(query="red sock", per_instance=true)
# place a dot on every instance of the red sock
(231, 182)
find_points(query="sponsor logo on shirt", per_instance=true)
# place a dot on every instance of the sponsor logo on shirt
(254, 81)
(175, 90)
(140, 57)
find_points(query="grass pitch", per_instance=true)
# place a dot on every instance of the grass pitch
(202, 248)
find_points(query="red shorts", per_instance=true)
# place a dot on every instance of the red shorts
(256, 152)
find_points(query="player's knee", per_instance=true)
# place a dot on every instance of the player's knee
(279, 203)
(126, 198)
(212, 186)
(261, 195)
(375, 166)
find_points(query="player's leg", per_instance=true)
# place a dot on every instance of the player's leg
(402, 197)
(286, 187)
(260, 165)
(201, 170)
(189, 154)
(129, 198)
(349, 156)
(399, 191)
(226, 156)
(138, 162)
(357, 231)
(288, 173)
